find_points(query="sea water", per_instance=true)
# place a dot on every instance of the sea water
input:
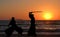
(25, 25)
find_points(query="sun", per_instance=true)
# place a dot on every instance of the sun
(47, 16)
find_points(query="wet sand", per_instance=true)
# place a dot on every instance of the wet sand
(16, 35)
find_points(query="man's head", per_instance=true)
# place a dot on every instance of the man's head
(13, 18)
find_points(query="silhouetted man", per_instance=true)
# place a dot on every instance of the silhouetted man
(13, 27)
(32, 29)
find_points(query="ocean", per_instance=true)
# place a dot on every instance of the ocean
(43, 27)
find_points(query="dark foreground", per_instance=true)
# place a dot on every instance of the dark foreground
(16, 35)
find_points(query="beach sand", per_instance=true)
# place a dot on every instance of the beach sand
(16, 35)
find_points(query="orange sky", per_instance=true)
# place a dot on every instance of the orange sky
(20, 8)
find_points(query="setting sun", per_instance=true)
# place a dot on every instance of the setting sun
(47, 16)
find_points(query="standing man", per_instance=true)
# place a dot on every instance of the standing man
(32, 29)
